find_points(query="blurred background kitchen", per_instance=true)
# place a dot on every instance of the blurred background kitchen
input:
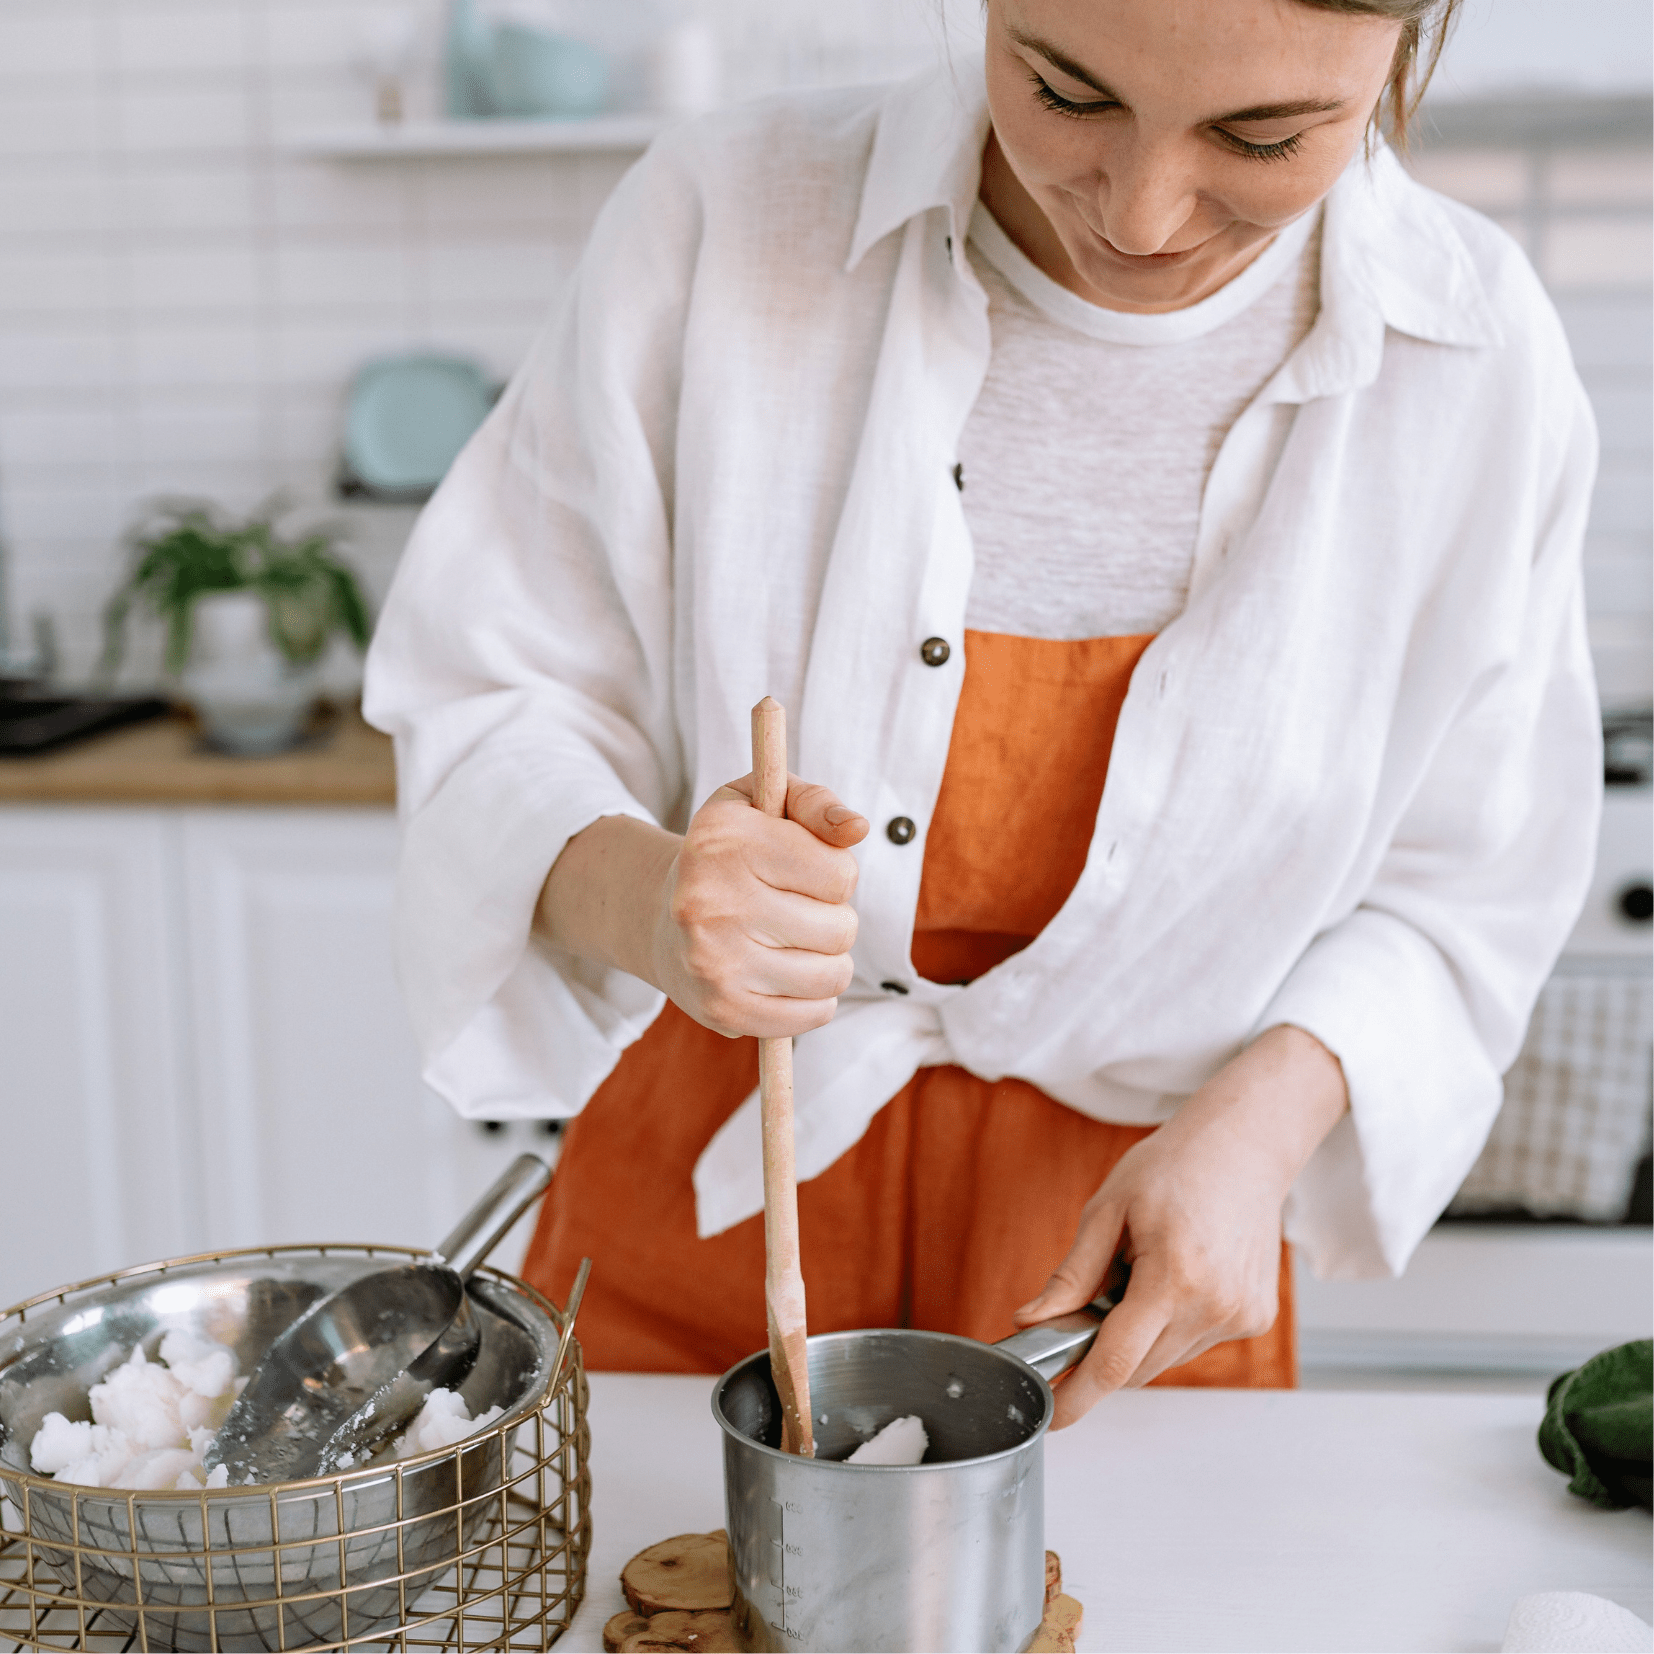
(263, 265)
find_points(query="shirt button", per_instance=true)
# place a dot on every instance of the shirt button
(934, 651)
(900, 830)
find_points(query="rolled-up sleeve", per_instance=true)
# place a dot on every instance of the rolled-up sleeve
(1423, 992)
(523, 666)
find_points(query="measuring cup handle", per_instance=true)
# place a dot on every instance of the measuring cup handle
(484, 1226)
(1052, 1347)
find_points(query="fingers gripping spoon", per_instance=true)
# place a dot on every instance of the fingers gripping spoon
(384, 1342)
(783, 1279)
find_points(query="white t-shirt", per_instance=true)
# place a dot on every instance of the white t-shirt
(1086, 454)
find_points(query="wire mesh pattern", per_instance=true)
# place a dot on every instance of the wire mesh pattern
(1576, 1113)
(482, 1545)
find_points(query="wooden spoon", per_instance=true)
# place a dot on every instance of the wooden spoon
(783, 1279)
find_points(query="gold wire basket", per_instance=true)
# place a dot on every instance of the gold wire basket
(482, 1545)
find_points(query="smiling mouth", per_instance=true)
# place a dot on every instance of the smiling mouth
(1150, 261)
(1145, 261)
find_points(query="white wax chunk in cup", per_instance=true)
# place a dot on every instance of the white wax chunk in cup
(902, 1441)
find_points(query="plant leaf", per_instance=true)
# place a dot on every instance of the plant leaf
(350, 606)
(187, 549)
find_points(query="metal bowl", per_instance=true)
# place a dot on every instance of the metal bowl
(285, 1565)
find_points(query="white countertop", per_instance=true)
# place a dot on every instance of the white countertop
(1216, 1519)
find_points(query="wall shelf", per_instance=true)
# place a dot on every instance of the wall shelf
(428, 140)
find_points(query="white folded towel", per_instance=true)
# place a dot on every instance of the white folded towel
(1574, 1622)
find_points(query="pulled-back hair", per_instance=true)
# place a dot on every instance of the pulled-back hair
(1424, 29)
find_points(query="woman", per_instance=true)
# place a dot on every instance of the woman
(1126, 412)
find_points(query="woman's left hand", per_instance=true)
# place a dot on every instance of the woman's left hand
(1196, 1210)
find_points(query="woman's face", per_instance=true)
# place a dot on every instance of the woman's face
(1165, 141)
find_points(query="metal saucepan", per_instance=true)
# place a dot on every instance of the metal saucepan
(944, 1555)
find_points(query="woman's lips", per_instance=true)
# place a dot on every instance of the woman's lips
(1144, 261)
(1148, 261)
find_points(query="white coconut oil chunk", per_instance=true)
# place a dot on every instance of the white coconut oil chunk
(151, 1421)
(442, 1421)
(902, 1441)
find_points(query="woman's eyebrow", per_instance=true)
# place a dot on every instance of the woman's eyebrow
(1059, 59)
(1282, 111)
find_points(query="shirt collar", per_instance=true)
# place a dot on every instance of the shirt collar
(1391, 256)
(927, 152)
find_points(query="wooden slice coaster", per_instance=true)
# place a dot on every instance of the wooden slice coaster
(680, 1596)
(709, 1631)
(686, 1574)
(1061, 1624)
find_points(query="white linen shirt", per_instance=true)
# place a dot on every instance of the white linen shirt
(1354, 785)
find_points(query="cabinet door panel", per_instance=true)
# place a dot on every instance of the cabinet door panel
(317, 1125)
(96, 1165)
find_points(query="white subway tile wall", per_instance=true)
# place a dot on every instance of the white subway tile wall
(183, 301)
(1583, 208)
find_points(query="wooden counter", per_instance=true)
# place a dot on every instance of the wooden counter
(164, 762)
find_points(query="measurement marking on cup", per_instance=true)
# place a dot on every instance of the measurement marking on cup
(778, 1574)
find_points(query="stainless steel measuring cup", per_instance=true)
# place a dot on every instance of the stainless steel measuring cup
(944, 1555)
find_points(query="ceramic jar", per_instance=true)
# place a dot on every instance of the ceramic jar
(251, 699)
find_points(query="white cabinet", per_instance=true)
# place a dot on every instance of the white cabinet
(311, 1110)
(96, 1160)
(202, 1044)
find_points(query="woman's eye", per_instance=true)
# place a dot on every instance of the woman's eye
(1262, 152)
(1053, 99)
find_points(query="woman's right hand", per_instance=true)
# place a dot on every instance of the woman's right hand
(745, 922)
(755, 927)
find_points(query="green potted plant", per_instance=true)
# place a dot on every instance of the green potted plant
(248, 612)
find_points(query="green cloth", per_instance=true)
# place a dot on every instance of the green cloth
(1598, 1424)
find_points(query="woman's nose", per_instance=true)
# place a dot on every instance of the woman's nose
(1145, 199)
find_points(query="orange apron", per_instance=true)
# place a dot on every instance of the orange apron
(964, 1194)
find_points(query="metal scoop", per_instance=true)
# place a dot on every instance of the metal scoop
(382, 1343)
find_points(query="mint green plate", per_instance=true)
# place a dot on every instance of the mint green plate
(409, 416)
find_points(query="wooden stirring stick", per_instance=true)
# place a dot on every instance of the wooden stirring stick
(783, 1279)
